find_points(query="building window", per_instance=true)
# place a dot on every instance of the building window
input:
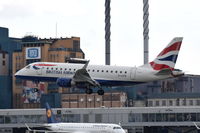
(170, 103)
(76, 45)
(191, 102)
(4, 63)
(157, 103)
(198, 102)
(177, 102)
(73, 55)
(150, 103)
(184, 101)
(163, 103)
(4, 55)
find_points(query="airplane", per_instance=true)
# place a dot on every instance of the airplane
(54, 126)
(90, 76)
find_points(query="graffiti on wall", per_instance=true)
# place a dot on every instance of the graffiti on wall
(32, 92)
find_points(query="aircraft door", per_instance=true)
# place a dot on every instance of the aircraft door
(39, 71)
(133, 72)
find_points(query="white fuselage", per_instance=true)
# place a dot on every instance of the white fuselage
(85, 128)
(104, 74)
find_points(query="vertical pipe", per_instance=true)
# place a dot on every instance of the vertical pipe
(107, 32)
(146, 30)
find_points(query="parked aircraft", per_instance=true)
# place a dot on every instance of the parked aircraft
(54, 126)
(89, 76)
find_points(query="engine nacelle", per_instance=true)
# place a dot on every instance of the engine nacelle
(64, 82)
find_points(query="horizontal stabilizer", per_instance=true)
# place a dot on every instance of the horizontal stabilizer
(164, 72)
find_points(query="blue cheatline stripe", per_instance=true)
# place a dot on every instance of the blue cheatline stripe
(101, 82)
(172, 58)
(37, 78)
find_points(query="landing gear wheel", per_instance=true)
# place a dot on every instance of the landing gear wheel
(89, 91)
(100, 92)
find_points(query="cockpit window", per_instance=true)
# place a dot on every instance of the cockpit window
(28, 67)
(116, 127)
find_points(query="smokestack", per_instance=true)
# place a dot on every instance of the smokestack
(146, 30)
(107, 32)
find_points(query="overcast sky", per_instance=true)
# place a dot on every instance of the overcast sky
(85, 19)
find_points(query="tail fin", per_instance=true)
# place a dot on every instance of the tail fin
(50, 115)
(167, 58)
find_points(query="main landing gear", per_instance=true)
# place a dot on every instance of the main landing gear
(90, 91)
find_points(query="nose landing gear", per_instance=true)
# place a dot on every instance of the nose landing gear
(100, 92)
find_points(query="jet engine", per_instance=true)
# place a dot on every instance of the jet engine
(64, 82)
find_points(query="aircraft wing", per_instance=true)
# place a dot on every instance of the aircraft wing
(82, 76)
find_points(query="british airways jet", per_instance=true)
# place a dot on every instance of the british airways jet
(89, 76)
(55, 126)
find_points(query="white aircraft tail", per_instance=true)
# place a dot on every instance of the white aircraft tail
(165, 62)
(168, 56)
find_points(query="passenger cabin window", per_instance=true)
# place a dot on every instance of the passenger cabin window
(92, 70)
(115, 71)
(107, 71)
(65, 69)
(102, 71)
(97, 70)
(111, 71)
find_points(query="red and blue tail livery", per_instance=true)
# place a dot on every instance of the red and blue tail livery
(167, 58)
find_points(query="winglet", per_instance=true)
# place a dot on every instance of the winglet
(86, 64)
(196, 126)
(28, 127)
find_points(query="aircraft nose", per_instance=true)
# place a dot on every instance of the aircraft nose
(19, 73)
